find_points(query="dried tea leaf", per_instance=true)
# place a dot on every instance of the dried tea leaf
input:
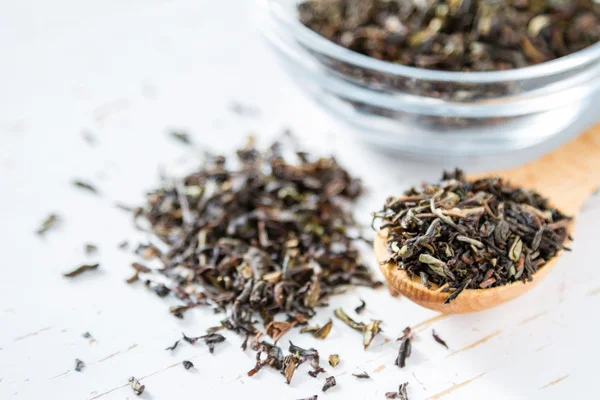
(370, 332)
(438, 339)
(362, 375)
(190, 340)
(406, 333)
(323, 331)
(277, 329)
(181, 137)
(140, 268)
(404, 352)
(262, 236)
(472, 234)
(136, 386)
(329, 383)
(86, 186)
(133, 278)
(341, 315)
(458, 291)
(79, 365)
(174, 345)
(361, 307)
(290, 363)
(91, 249)
(402, 391)
(515, 250)
(315, 397)
(316, 372)
(80, 270)
(244, 109)
(334, 360)
(51, 222)
(310, 329)
(211, 339)
(188, 364)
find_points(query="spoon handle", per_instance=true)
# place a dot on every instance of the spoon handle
(567, 176)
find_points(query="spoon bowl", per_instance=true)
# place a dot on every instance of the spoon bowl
(566, 176)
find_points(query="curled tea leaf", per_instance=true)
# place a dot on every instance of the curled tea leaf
(81, 269)
(438, 339)
(86, 186)
(290, 363)
(187, 364)
(329, 383)
(323, 331)
(51, 222)
(362, 375)
(136, 386)
(370, 332)
(79, 365)
(404, 352)
(342, 316)
(334, 360)
(361, 307)
(181, 137)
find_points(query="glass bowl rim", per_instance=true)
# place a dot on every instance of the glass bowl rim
(324, 46)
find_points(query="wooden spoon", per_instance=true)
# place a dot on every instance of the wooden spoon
(566, 177)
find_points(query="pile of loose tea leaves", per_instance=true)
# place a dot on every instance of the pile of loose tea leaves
(460, 35)
(266, 237)
(462, 234)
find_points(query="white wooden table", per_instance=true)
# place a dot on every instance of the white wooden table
(127, 72)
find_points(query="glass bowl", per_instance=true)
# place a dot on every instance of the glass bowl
(434, 112)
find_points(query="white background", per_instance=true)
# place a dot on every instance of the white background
(128, 71)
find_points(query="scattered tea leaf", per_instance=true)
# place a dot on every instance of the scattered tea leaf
(79, 365)
(361, 307)
(86, 335)
(404, 352)
(211, 340)
(173, 346)
(136, 386)
(362, 375)
(182, 137)
(310, 329)
(140, 267)
(277, 329)
(80, 270)
(190, 340)
(188, 364)
(290, 363)
(359, 326)
(370, 332)
(406, 333)
(123, 245)
(402, 391)
(315, 397)
(334, 360)
(329, 383)
(400, 394)
(133, 278)
(439, 339)
(91, 249)
(244, 109)
(86, 186)
(323, 331)
(49, 223)
(89, 138)
(267, 238)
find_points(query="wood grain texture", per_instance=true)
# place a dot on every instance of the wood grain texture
(566, 176)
